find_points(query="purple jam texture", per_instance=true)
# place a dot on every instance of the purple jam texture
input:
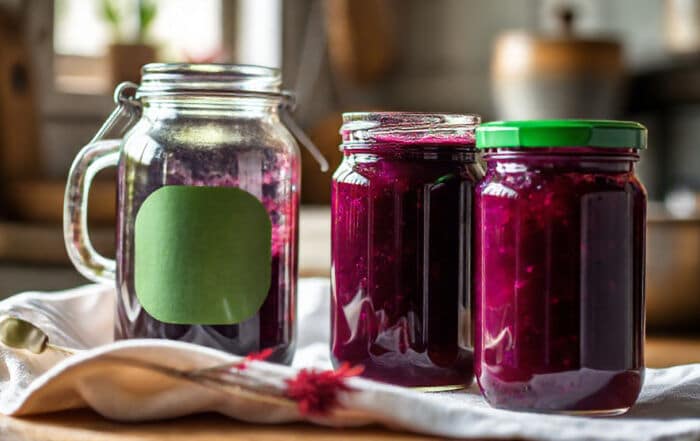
(400, 263)
(559, 280)
(269, 175)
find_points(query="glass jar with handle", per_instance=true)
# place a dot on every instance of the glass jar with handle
(208, 197)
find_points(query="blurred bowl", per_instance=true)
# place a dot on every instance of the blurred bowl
(557, 75)
(673, 271)
(543, 76)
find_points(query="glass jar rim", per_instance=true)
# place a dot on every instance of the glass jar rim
(169, 79)
(408, 128)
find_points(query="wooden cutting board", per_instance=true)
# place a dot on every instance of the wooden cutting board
(87, 426)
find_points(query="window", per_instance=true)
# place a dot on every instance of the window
(259, 32)
(183, 30)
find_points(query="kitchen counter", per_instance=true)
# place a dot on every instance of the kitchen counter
(85, 425)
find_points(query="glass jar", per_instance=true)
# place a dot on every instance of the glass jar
(401, 210)
(559, 236)
(208, 197)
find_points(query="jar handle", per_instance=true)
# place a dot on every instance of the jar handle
(91, 159)
(100, 153)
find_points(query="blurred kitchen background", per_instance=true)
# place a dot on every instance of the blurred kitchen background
(624, 59)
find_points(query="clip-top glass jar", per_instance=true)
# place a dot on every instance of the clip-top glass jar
(559, 235)
(401, 212)
(208, 184)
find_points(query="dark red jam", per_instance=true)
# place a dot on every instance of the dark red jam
(559, 240)
(401, 213)
(272, 327)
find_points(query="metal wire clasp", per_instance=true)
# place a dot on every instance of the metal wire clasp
(124, 116)
(286, 107)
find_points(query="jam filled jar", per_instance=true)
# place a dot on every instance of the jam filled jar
(208, 182)
(401, 211)
(559, 237)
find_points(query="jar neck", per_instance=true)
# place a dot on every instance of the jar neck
(374, 152)
(165, 107)
(217, 90)
(574, 159)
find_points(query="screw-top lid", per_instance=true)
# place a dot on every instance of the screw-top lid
(408, 128)
(561, 133)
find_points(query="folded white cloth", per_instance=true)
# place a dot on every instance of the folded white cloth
(98, 377)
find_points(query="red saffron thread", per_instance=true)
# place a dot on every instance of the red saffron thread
(316, 392)
(254, 356)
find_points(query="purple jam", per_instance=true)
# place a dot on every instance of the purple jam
(270, 175)
(401, 216)
(559, 240)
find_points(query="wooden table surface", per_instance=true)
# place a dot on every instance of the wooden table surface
(84, 425)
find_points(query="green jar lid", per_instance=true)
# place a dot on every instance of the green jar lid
(562, 133)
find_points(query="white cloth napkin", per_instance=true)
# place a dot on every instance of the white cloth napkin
(82, 318)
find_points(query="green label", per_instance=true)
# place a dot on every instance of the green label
(202, 255)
